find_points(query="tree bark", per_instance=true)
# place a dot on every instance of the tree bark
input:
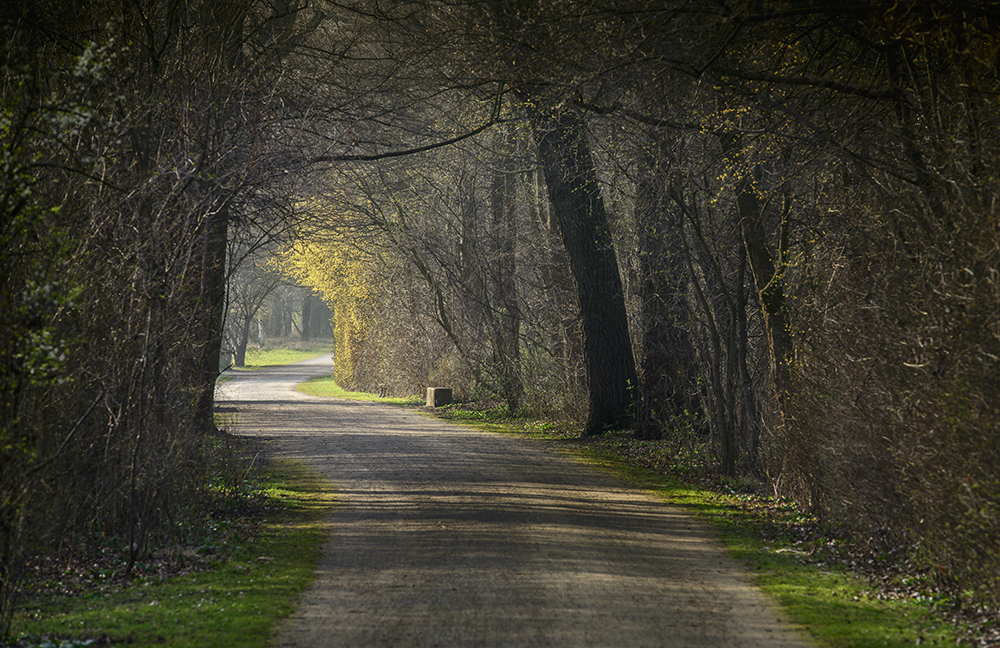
(242, 342)
(767, 276)
(575, 196)
(213, 301)
(507, 322)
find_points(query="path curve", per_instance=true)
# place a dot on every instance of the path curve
(444, 536)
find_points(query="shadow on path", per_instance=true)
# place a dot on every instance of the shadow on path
(444, 536)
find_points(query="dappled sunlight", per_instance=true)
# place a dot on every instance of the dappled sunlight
(446, 533)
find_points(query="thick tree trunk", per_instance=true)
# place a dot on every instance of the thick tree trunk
(576, 201)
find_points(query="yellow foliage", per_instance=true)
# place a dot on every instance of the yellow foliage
(346, 279)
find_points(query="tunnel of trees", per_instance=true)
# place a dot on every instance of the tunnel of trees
(768, 227)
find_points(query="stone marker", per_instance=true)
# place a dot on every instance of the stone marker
(438, 396)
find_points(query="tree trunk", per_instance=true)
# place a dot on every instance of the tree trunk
(308, 301)
(213, 300)
(767, 274)
(507, 322)
(242, 342)
(768, 280)
(560, 294)
(666, 364)
(576, 201)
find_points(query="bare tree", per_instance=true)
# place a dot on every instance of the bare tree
(248, 289)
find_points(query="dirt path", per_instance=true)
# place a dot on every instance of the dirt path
(449, 537)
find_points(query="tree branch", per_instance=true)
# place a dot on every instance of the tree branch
(812, 82)
(374, 157)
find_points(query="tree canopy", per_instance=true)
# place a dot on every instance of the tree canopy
(764, 229)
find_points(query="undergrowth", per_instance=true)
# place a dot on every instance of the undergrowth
(225, 581)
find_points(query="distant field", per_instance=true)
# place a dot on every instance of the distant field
(286, 353)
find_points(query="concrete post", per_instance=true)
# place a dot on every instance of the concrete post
(438, 396)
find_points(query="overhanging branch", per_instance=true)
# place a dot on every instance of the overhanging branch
(808, 81)
(374, 157)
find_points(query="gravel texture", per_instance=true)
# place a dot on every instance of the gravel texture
(444, 536)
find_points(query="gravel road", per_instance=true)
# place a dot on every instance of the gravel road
(445, 536)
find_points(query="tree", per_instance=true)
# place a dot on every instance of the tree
(536, 75)
(667, 363)
(34, 288)
(834, 163)
(335, 271)
(248, 289)
(579, 209)
(856, 181)
(143, 132)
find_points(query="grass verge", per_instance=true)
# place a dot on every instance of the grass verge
(815, 578)
(810, 578)
(235, 603)
(327, 386)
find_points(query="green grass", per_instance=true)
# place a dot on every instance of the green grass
(236, 603)
(327, 386)
(835, 606)
(285, 354)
